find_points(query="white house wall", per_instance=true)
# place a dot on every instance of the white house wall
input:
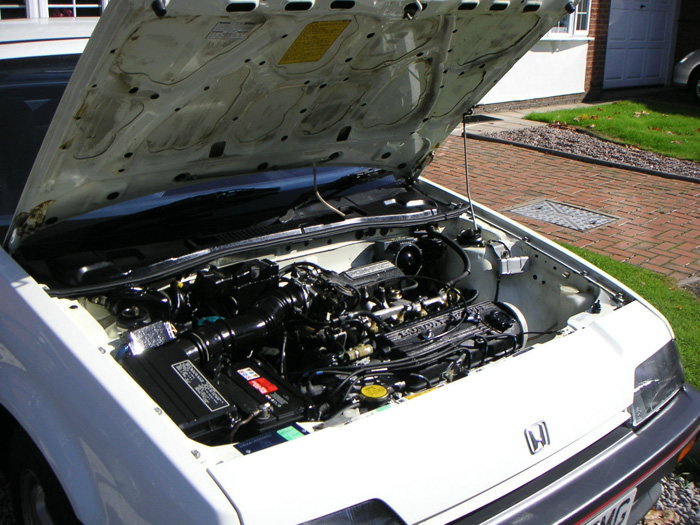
(552, 68)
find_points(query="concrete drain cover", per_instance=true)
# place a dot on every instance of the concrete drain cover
(566, 215)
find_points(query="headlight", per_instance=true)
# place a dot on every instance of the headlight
(372, 512)
(656, 380)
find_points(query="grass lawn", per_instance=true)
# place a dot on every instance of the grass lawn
(665, 128)
(681, 308)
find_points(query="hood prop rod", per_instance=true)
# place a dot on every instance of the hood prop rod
(476, 235)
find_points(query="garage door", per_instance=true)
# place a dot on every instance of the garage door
(639, 43)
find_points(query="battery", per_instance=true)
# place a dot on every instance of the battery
(257, 389)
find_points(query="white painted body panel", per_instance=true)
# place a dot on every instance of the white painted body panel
(117, 458)
(455, 446)
(459, 446)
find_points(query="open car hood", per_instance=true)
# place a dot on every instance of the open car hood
(169, 94)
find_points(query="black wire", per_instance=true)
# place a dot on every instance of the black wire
(315, 322)
(411, 286)
(458, 250)
(411, 359)
(421, 377)
(355, 292)
(428, 354)
(340, 386)
(400, 365)
(304, 265)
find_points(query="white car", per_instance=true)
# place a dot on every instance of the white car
(36, 37)
(229, 297)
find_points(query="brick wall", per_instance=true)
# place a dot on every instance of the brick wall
(688, 38)
(595, 60)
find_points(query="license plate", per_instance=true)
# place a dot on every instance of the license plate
(616, 513)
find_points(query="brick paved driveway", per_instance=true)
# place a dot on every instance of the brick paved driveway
(658, 225)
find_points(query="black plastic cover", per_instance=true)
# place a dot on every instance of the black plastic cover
(200, 407)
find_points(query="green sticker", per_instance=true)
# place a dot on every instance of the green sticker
(290, 433)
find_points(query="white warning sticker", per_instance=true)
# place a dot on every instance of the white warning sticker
(200, 385)
(230, 30)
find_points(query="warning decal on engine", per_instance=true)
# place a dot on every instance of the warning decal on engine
(262, 385)
(201, 387)
(313, 42)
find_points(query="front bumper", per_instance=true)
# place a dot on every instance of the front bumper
(579, 488)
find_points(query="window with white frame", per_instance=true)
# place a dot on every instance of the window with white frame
(73, 8)
(16, 9)
(574, 24)
(12, 9)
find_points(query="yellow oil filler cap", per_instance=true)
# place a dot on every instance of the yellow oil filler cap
(374, 392)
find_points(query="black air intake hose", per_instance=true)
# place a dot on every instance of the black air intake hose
(243, 331)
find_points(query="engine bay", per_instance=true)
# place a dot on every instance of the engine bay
(244, 349)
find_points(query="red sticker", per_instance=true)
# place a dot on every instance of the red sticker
(262, 385)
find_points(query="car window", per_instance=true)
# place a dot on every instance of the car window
(30, 89)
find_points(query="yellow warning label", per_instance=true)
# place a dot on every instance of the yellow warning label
(314, 41)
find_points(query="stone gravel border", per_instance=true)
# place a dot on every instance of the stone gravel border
(679, 504)
(530, 138)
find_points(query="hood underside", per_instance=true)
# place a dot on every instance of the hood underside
(168, 95)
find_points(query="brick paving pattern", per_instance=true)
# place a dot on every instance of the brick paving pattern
(658, 224)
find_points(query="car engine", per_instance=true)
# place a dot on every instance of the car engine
(234, 353)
